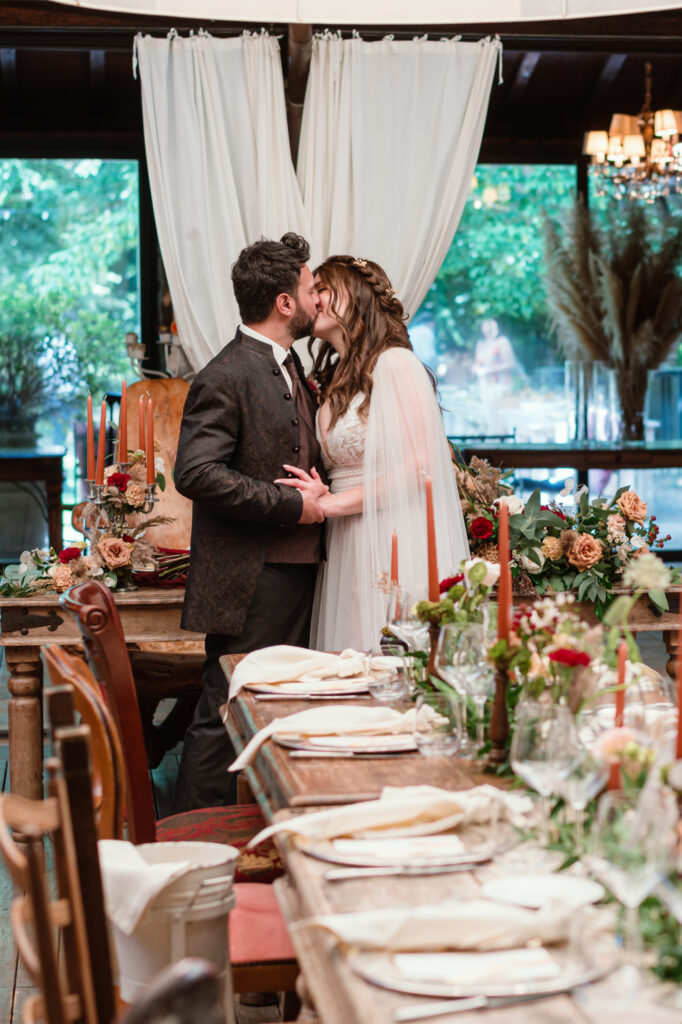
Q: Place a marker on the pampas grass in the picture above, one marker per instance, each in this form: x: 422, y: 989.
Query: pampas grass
x: 615, y: 295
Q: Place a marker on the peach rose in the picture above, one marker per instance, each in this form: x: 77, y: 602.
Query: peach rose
x: 615, y: 524
x: 584, y: 552
x: 632, y: 506
x: 114, y: 551
x: 136, y: 495
x: 552, y: 548
x: 61, y: 576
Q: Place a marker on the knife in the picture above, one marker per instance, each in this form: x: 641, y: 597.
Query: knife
x: 340, y: 874
x: 424, y: 1010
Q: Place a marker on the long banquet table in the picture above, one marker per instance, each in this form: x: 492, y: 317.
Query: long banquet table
x: 285, y: 785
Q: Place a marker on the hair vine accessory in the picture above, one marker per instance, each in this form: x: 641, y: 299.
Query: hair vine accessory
x: 390, y: 293
x: 357, y: 262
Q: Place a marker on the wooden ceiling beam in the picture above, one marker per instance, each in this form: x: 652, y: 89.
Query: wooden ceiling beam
x: 8, y: 70
x: 299, y: 52
x: 607, y: 77
x: 523, y: 76
x: 97, y: 63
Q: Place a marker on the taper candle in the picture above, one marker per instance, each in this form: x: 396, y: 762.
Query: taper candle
x: 123, y: 425
x: 101, y: 441
x: 91, y: 442
x: 151, y: 473
x: 504, y: 583
x: 434, y: 585
x: 619, y: 717
x: 141, y: 443
x: 394, y: 558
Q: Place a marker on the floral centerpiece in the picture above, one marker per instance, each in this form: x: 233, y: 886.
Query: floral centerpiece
x: 464, y: 596
x: 481, y: 486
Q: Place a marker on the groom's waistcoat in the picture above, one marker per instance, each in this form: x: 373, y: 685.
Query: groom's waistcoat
x: 238, y: 430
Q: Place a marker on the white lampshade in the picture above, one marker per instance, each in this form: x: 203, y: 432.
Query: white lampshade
x: 622, y: 125
x: 615, y: 151
x: 633, y: 146
x: 668, y: 122
x: 596, y: 143
x: 659, y: 152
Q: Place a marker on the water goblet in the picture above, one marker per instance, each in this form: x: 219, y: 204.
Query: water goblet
x: 537, y: 754
x: 402, y: 618
x: 631, y: 850
x: 447, y: 659
x: 586, y: 776
x: 437, y: 723
x: 387, y: 679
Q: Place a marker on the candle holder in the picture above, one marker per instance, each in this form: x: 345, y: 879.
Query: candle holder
x: 499, y: 719
x: 151, y: 499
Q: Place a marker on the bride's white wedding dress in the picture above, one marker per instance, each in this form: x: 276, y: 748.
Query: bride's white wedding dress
x: 390, y: 453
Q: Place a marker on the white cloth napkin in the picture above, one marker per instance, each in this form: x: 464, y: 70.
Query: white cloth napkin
x: 502, y: 968
x: 408, y: 811
x: 332, y: 720
x: 450, y: 924
x: 283, y: 664
x: 402, y: 849
x: 130, y: 883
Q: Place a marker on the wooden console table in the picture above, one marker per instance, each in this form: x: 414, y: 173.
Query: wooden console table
x: 26, y: 623
x: 36, y: 465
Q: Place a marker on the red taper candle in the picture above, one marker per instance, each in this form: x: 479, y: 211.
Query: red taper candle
x: 504, y: 584
x: 151, y: 474
x: 394, y: 559
x: 101, y: 440
x: 434, y: 585
x: 141, y: 443
x: 91, y: 442
x: 615, y: 781
x: 123, y: 425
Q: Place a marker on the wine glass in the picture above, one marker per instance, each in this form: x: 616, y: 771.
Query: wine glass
x: 437, y: 724
x: 538, y: 755
x: 387, y: 678
x: 631, y: 849
x: 402, y: 617
x: 448, y: 654
x: 586, y: 776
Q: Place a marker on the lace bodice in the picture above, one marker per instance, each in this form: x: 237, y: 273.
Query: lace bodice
x: 343, y: 450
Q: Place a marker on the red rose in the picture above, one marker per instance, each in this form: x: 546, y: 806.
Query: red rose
x: 481, y: 528
x: 451, y: 581
x: 68, y: 554
x: 119, y: 480
x: 128, y: 539
x: 564, y: 656
x: 546, y: 508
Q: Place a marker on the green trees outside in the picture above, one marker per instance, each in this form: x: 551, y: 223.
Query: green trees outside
x: 68, y: 283
x: 494, y: 267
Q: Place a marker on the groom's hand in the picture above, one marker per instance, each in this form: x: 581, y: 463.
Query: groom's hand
x: 312, y: 510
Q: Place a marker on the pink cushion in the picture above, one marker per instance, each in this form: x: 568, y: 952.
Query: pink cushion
x: 258, y: 932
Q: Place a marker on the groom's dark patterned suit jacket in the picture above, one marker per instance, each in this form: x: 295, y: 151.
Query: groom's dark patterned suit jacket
x: 239, y: 427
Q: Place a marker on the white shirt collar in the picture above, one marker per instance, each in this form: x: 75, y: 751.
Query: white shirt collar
x: 279, y: 353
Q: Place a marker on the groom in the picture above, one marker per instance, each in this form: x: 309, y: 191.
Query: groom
x: 255, y: 544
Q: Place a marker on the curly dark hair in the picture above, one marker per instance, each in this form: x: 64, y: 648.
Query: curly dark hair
x: 265, y: 270
x: 372, y: 321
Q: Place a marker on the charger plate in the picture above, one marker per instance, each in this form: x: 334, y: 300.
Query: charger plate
x: 378, y: 969
x: 360, y: 744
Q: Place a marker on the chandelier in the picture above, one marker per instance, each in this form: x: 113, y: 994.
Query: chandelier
x: 639, y: 157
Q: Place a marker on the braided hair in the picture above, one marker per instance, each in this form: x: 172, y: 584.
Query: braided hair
x: 372, y: 320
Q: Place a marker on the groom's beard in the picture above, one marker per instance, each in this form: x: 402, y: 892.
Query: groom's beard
x: 301, y: 324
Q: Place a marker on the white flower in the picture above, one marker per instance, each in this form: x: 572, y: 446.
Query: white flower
x: 159, y: 464
x: 492, y: 570
x: 528, y: 564
x: 648, y: 572
x: 513, y: 503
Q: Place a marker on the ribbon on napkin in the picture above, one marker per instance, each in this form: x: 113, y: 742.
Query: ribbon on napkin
x: 282, y: 664
x: 332, y: 720
x: 130, y: 883
x: 408, y: 811
x: 450, y: 924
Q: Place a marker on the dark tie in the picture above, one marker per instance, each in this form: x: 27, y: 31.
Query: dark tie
x: 298, y: 393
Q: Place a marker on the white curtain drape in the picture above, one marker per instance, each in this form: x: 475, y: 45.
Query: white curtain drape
x: 390, y: 137
x: 219, y: 167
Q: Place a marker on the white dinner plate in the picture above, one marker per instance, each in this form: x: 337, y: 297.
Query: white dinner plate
x: 539, y: 891
x: 315, y: 687
x: 413, y: 851
x: 361, y: 744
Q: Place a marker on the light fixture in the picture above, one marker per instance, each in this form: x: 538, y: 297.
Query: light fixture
x: 639, y: 157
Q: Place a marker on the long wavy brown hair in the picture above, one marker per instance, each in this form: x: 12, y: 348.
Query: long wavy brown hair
x: 372, y: 321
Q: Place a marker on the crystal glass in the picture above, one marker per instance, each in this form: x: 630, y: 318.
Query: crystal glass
x: 631, y: 849
x: 447, y: 664
x: 402, y: 618
x: 438, y: 724
x: 462, y: 648
x: 388, y: 681
x: 538, y: 754
x: 586, y: 776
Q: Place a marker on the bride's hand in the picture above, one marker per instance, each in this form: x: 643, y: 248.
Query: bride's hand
x: 303, y: 481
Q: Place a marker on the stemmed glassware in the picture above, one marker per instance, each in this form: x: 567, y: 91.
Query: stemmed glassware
x: 586, y: 776
x: 539, y: 752
x: 461, y: 660
x: 631, y: 849
x: 402, y: 618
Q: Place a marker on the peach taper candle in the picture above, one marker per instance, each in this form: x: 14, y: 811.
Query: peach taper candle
x: 101, y: 441
x: 434, y: 585
x: 91, y: 442
x: 123, y: 425
x: 394, y: 559
x: 151, y: 474
x: 504, y: 596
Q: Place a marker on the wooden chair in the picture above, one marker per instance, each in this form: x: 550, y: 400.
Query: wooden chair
x: 261, y: 953
x: 184, y: 993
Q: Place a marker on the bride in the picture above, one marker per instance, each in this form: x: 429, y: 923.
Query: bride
x: 381, y: 433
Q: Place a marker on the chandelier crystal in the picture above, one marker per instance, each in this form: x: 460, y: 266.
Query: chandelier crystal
x: 639, y: 157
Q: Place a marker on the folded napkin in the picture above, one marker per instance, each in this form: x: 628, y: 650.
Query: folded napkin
x: 450, y: 924
x: 332, y: 720
x: 130, y: 883
x: 283, y: 664
x: 501, y: 968
x: 408, y: 811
